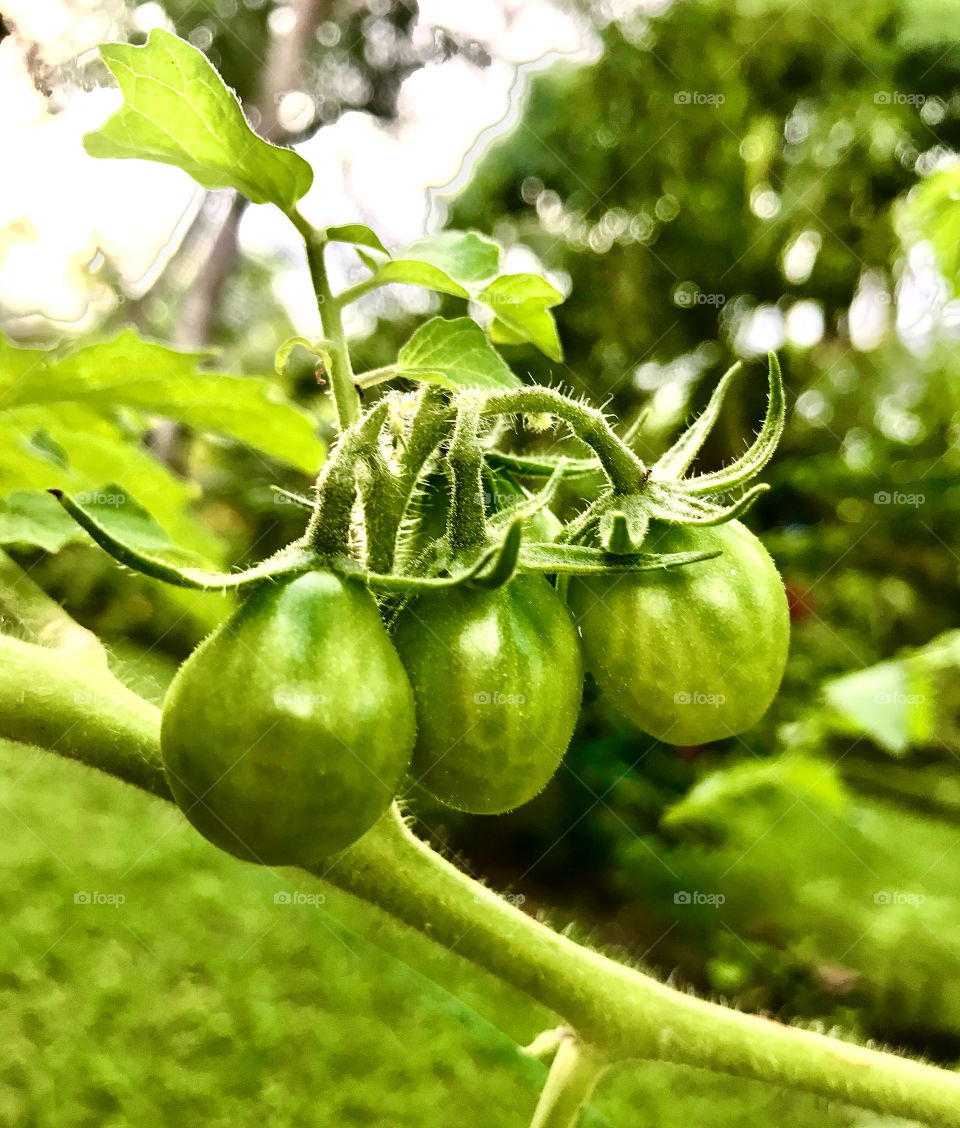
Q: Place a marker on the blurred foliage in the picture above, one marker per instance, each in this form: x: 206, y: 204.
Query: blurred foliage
x: 357, y: 60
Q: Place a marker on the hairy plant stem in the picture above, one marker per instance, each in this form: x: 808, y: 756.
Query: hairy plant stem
x: 341, y: 370
x: 620, y: 1012
x: 467, y: 521
x: 336, y: 489
x: 624, y: 469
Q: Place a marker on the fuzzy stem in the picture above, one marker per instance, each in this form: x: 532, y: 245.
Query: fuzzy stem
x: 341, y: 370
x: 329, y: 527
x: 623, y: 468
x: 467, y: 521
x: 575, y: 1071
x: 45, y: 700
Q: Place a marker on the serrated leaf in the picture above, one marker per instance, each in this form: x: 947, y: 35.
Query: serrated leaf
x: 128, y: 371
x: 454, y: 262
x: 456, y: 354
x: 522, y: 303
x: 358, y: 234
x: 177, y: 110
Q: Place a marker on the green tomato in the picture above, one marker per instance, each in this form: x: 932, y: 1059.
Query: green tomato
x: 286, y: 732
x: 691, y: 654
x: 498, y: 680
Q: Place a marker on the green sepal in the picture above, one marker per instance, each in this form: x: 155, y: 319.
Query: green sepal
x: 622, y: 529
x: 671, y: 503
x: 676, y: 461
x: 289, y: 561
x: 753, y: 460
x: 580, y: 559
x: 541, y: 466
x: 494, y: 567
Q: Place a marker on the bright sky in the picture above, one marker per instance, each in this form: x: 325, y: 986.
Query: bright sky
x: 60, y: 206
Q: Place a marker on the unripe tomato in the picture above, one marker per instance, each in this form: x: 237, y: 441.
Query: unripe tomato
x: 695, y: 653
x: 498, y: 679
x: 286, y: 732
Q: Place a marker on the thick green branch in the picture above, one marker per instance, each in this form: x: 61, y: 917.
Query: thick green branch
x: 620, y: 1012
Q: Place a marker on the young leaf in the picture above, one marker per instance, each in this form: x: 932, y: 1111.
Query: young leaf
x: 455, y: 262
x: 420, y: 274
x: 358, y: 234
x: 178, y: 111
x: 521, y: 303
x: 455, y: 354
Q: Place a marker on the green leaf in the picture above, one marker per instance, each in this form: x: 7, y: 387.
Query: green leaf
x: 455, y: 262
x: 128, y: 371
x: 178, y: 111
x: 358, y: 234
x: 420, y: 274
x: 33, y: 518
x: 892, y: 703
x: 521, y: 303
x: 455, y: 354
x: 96, y: 451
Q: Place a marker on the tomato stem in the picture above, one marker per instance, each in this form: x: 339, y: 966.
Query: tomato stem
x: 341, y: 370
x: 467, y: 522
x: 623, y: 468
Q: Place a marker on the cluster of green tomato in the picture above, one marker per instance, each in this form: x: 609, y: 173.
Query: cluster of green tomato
x: 290, y: 729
